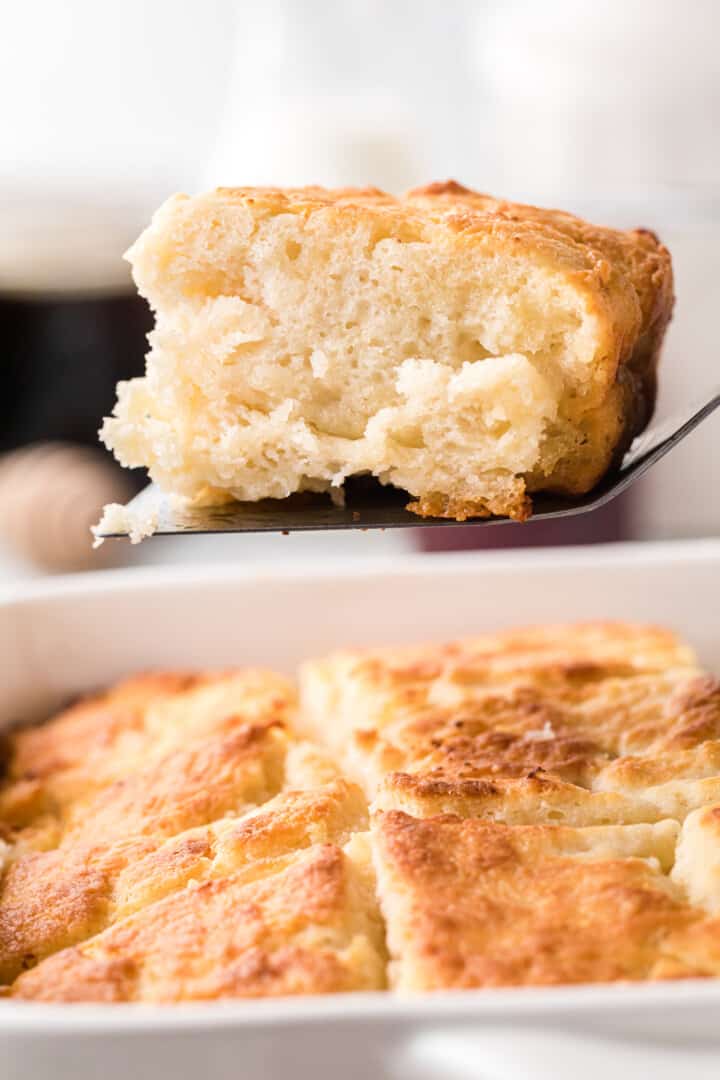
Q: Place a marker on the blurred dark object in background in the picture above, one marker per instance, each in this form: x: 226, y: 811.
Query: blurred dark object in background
x: 63, y: 356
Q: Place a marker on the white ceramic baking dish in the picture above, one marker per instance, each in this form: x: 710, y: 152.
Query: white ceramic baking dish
x: 67, y: 636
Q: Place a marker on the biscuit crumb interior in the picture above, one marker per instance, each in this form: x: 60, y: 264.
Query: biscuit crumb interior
x: 463, y: 349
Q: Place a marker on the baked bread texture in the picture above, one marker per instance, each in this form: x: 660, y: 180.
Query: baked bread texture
x: 197, y: 850
x: 467, y: 350
x: 470, y: 904
x: 584, y: 725
x: 531, y: 807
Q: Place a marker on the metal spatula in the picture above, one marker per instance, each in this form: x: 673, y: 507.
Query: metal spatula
x: 370, y: 505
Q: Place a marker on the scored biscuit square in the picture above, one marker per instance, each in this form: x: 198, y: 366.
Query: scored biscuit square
x: 472, y: 904
x: 310, y: 925
x: 52, y: 769
x: 583, y: 725
x: 197, y: 778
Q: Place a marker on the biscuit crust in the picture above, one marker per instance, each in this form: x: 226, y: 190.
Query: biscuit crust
x: 531, y: 807
x: 302, y: 929
x: 470, y: 904
x: 583, y: 725
x: 154, y: 810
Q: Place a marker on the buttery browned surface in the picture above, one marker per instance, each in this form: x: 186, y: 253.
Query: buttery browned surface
x: 475, y: 904
x: 544, y: 808
x: 303, y: 928
x: 585, y: 725
x: 151, y: 814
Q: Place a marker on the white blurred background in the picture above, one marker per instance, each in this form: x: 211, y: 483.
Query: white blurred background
x: 612, y: 109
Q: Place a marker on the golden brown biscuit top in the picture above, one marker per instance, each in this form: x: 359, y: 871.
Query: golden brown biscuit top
x: 297, y: 930
x: 141, y: 794
x: 112, y: 735
x: 474, y: 904
x: 591, y: 713
x: 546, y: 810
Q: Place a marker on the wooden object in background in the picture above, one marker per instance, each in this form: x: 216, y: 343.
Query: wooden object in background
x: 50, y: 495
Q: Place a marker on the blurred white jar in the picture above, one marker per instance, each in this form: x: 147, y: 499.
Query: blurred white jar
x: 110, y: 107
x: 112, y: 101
x: 327, y: 93
x: 612, y: 109
x: 583, y: 95
x: 339, y: 141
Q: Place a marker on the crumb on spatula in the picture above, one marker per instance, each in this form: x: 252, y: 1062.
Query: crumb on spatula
x: 117, y: 518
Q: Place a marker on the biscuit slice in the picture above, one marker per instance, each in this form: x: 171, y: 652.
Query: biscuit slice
x: 472, y: 904
x: 466, y: 350
x: 581, y: 725
x: 310, y: 926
